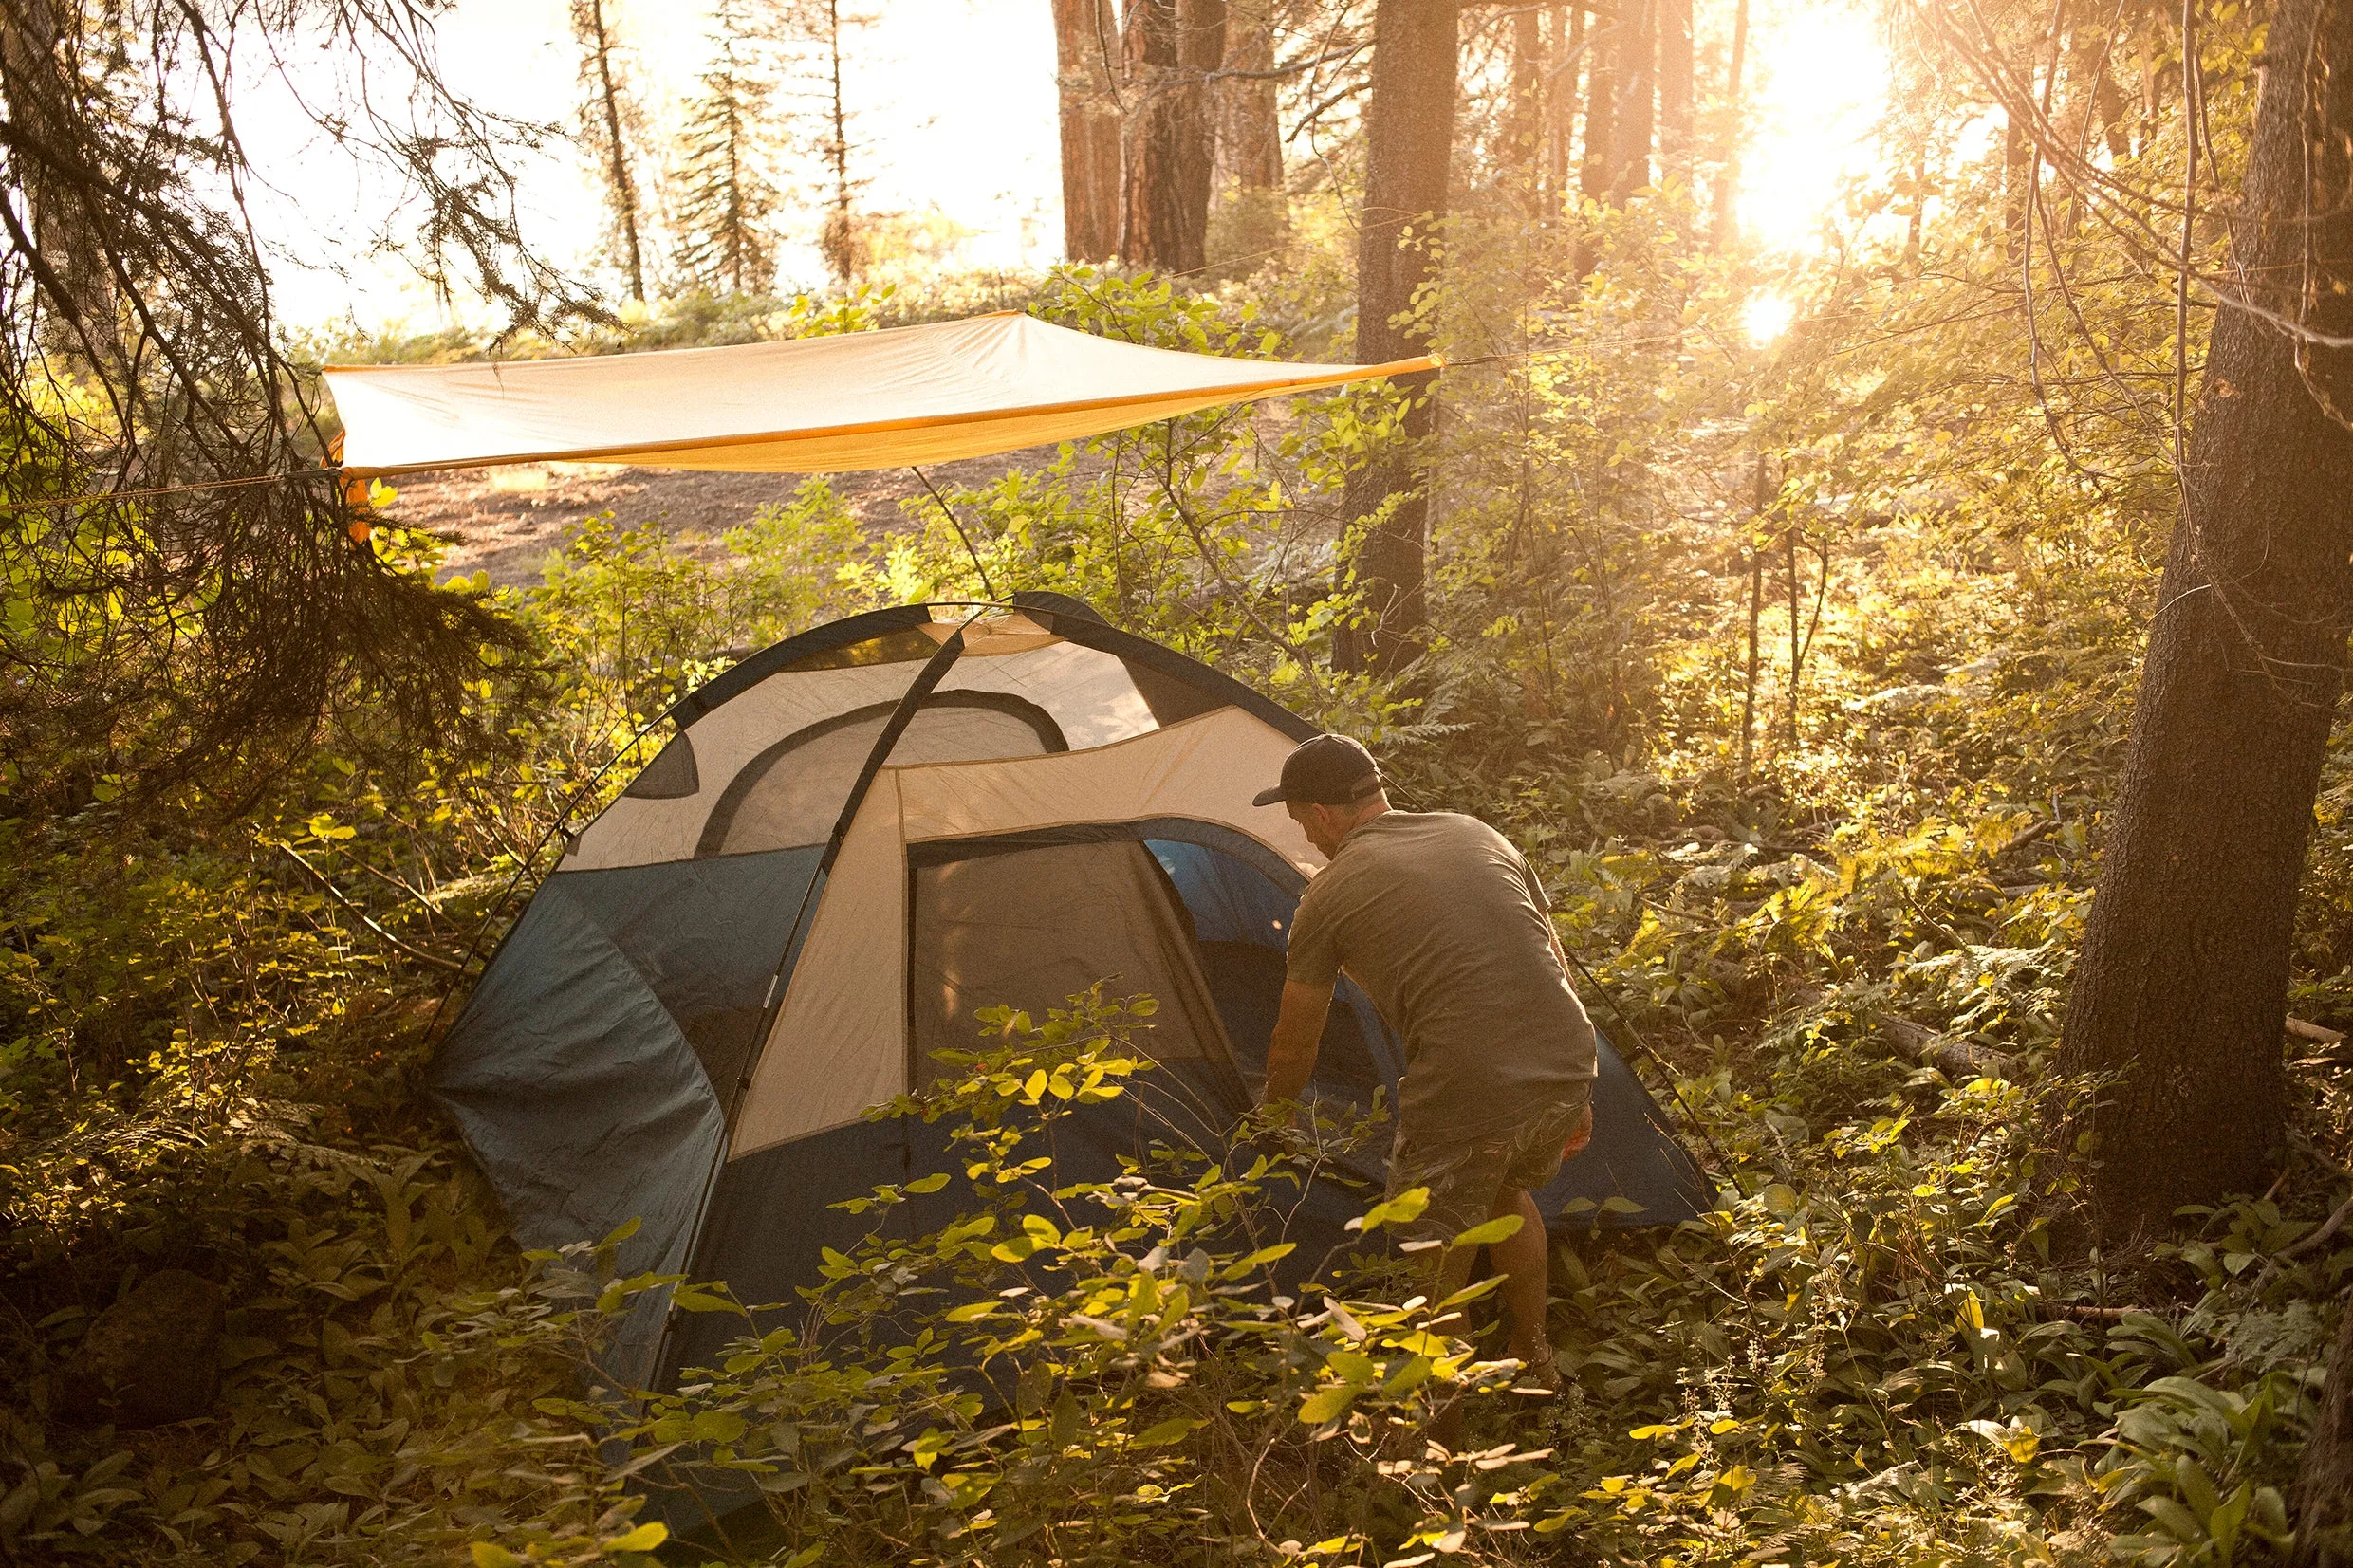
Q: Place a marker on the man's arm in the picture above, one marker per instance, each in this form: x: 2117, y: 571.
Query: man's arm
x: 1298, y: 1036
x: 1559, y: 955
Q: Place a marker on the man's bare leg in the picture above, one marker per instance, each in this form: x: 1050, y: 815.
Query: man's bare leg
x: 1522, y: 1260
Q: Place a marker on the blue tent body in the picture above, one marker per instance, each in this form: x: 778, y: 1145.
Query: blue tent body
x: 856, y: 840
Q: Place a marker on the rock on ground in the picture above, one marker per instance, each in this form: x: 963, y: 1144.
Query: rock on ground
x: 151, y: 1358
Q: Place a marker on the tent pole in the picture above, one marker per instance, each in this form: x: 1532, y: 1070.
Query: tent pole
x: 926, y: 681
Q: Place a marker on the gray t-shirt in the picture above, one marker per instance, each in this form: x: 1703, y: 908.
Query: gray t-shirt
x: 1446, y: 927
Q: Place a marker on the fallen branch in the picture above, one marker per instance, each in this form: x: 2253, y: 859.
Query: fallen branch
x: 2328, y: 1227
x: 1947, y: 1052
x: 2049, y: 825
x: 2315, y: 1033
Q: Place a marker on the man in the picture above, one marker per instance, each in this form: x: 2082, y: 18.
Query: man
x: 1446, y: 927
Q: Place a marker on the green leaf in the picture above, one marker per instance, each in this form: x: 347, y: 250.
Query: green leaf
x: 1402, y: 1209
x: 1162, y: 1433
x: 487, y: 1555
x: 718, y: 1426
x: 688, y: 1298
x: 1326, y: 1404
x: 2179, y: 1522
x: 644, y: 1539
x: 927, y: 1184
x: 1502, y: 1228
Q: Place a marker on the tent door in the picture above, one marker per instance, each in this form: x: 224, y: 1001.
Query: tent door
x: 1030, y: 927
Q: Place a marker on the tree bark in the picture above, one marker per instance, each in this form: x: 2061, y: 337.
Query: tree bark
x: 1674, y: 89
x: 1637, y: 89
x: 2180, y: 986
x: 1409, y: 134
x: 1523, y: 126
x: 1564, y: 32
x: 1725, y: 226
x: 1250, y: 135
x: 611, y: 123
x: 2324, y: 1480
x: 1086, y: 48
x: 1201, y: 49
x: 1169, y: 140
x: 41, y: 83
x: 1593, y: 174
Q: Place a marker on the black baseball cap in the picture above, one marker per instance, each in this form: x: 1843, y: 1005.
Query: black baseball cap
x: 1326, y: 771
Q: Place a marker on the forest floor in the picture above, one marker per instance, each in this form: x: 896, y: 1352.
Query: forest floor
x: 511, y: 521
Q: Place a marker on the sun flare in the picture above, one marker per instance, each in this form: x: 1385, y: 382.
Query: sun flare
x: 1822, y: 88
x: 1766, y: 317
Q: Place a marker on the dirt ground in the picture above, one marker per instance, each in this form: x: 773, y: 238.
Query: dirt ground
x: 509, y: 520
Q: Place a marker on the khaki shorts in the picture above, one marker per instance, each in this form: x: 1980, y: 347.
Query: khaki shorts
x: 1464, y: 1178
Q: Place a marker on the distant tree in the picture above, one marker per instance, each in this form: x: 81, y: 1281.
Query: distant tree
x: 1250, y: 131
x: 199, y: 598
x: 728, y: 196
x: 1723, y: 225
x: 1087, y: 53
x: 1564, y: 45
x: 1523, y: 127
x: 1634, y: 124
x: 611, y: 126
x: 819, y: 32
x: 1170, y: 139
x: 1676, y: 125
x: 1597, y: 165
x: 2180, y: 986
x: 1408, y: 136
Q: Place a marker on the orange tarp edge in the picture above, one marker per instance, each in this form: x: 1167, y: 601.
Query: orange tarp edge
x: 927, y: 394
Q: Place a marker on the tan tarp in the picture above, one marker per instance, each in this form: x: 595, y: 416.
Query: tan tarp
x: 814, y: 405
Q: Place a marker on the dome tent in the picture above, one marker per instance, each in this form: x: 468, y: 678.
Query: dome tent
x: 856, y: 840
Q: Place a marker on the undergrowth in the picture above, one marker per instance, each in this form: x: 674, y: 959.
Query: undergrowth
x: 1829, y: 910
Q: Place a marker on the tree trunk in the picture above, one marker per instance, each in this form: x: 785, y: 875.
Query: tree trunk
x: 1523, y: 126
x: 1725, y: 226
x: 1250, y: 135
x: 2325, y: 1481
x: 1201, y: 49
x: 2180, y: 986
x: 1564, y: 32
x: 1593, y: 174
x: 1170, y: 135
x: 1674, y: 89
x: 838, y: 241
x: 1638, y: 89
x: 1409, y: 134
x: 41, y: 82
x: 611, y: 126
x: 1087, y: 46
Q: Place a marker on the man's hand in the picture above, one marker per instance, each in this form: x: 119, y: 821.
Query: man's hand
x: 1281, y: 1127
x: 1298, y: 1039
